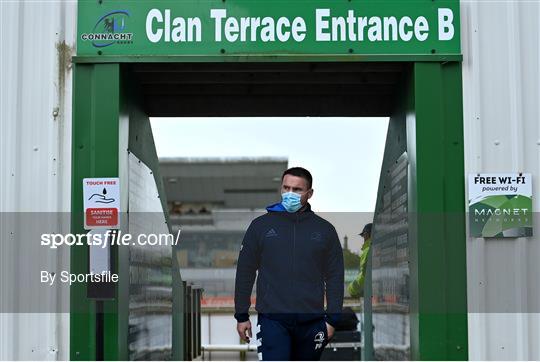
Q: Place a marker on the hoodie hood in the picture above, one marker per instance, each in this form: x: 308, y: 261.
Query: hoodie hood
x: 275, y: 207
x: 280, y: 208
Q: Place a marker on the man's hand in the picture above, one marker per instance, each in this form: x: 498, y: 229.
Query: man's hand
x: 244, y: 330
x: 330, y: 330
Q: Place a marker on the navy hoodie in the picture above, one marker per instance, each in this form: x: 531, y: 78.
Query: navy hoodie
x: 297, y: 257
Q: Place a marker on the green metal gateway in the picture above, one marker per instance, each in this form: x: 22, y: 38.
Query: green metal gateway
x: 400, y: 59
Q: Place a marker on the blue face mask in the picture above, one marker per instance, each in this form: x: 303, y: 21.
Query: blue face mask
x: 291, y: 201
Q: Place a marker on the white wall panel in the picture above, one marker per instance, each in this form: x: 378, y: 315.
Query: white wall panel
x: 37, y: 40
x: 501, y: 80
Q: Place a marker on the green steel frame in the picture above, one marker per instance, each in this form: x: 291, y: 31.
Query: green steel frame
x: 437, y: 241
x: 95, y: 144
x: 269, y: 58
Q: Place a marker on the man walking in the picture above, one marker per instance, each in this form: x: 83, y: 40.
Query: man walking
x: 299, y: 261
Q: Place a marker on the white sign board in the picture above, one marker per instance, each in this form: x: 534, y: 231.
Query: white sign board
x: 500, y: 205
x: 101, y: 203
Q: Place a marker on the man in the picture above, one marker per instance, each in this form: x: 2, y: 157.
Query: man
x: 299, y: 259
x: 356, y: 288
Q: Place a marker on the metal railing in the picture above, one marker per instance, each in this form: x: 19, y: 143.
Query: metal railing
x: 192, y: 321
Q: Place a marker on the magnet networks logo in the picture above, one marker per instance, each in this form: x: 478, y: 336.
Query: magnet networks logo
x: 109, y: 30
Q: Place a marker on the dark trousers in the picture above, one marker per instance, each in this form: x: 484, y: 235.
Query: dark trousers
x: 281, y: 340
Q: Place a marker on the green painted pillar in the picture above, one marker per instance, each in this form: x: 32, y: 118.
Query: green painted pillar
x: 95, y: 139
x: 437, y: 226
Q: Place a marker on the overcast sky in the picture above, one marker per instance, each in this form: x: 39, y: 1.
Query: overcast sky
x: 343, y: 154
